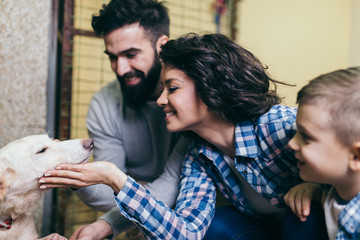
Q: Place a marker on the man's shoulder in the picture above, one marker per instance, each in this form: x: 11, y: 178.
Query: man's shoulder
x: 110, y: 92
x: 112, y: 87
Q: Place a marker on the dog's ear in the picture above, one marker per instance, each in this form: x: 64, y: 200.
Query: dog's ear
x: 6, y: 179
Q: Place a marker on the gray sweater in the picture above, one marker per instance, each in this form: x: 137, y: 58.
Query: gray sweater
x: 139, y: 144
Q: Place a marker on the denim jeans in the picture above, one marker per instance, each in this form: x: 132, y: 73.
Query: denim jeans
x: 230, y: 224
x: 314, y: 228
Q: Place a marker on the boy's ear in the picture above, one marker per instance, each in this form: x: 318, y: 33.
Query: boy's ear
x: 355, y: 158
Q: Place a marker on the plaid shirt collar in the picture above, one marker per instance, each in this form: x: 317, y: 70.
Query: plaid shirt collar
x: 349, y: 218
x: 245, y: 142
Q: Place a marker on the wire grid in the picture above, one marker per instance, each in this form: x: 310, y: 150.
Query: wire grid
x: 91, y: 71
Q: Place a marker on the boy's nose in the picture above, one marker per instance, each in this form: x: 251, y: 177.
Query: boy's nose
x: 292, y: 143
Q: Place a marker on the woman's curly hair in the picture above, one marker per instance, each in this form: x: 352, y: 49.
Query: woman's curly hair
x: 229, y: 79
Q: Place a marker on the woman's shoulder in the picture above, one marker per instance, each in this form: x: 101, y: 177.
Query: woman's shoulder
x: 279, y: 124
x: 278, y: 113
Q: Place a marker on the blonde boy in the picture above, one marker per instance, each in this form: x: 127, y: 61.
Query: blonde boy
x: 327, y: 144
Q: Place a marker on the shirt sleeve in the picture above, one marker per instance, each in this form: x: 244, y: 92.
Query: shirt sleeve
x: 118, y: 222
x: 108, y: 147
x: 290, y: 122
x: 191, y: 216
x: 165, y: 188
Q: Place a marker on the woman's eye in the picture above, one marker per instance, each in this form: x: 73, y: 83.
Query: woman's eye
x: 172, y: 89
x: 42, y: 150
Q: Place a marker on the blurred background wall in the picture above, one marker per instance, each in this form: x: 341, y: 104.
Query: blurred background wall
x: 299, y: 40
x: 24, y: 38
x: 24, y: 44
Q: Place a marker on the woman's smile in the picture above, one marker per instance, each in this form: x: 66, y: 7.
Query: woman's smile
x: 184, y: 110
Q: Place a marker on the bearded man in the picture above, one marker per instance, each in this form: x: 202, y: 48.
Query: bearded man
x: 126, y: 124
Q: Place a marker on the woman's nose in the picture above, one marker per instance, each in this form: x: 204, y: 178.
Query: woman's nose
x: 162, y: 100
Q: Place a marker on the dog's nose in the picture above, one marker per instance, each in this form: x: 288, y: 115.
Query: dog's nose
x: 88, y: 143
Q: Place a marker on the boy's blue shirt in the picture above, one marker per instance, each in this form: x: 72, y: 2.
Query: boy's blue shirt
x: 349, y: 220
x: 263, y: 157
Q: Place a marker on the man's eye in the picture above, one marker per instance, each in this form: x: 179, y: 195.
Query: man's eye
x: 112, y: 58
x: 130, y: 55
x: 42, y: 150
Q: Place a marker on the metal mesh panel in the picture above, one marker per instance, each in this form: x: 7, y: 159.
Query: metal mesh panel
x: 91, y: 71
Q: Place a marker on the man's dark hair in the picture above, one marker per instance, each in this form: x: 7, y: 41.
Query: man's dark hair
x: 150, y: 14
x: 229, y: 79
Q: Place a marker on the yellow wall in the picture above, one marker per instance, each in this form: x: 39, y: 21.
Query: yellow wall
x: 355, y: 34
x: 298, y: 40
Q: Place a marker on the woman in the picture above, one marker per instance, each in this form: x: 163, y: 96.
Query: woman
x: 218, y: 93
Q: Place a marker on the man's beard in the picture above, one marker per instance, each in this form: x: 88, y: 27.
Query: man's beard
x: 137, y: 96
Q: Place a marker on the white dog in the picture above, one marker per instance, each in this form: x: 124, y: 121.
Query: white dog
x: 22, y: 163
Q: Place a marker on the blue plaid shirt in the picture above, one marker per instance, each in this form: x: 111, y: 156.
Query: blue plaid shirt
x: 349, y: 220
x: 262, y: 157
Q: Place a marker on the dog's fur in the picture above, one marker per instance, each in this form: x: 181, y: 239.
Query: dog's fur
x: 22, y: 163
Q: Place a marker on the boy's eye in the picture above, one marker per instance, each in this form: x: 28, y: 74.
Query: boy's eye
x: 305, y: 137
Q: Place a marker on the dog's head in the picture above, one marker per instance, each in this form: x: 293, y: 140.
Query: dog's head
x: 25, y: 160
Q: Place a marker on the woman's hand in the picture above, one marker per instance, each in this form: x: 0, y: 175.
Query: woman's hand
x: 300, y: 196
x: 83, y: 175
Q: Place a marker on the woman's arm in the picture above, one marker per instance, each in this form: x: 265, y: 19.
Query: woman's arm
x: 189, y: 220
x: 191, y: 217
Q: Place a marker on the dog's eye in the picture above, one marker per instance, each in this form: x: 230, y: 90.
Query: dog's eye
x: 42, y: 150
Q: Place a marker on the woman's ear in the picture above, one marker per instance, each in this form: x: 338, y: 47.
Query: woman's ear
x: 161, y: 41
x: 355, y: 157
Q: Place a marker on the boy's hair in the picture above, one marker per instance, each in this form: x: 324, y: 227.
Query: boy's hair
x: 230, y: 80
x: 150, y: 14
x: 339, y: 93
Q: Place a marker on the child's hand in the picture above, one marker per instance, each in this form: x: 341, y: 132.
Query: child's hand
x: 299, y: 198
